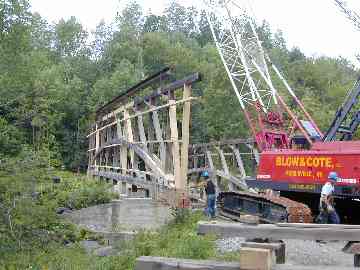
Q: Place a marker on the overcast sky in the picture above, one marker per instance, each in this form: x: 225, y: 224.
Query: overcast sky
x: 316, y: 26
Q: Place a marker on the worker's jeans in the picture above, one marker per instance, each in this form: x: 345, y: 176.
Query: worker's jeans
x: 328, y: 215
x: 333, y: 217
x: 211, y: 205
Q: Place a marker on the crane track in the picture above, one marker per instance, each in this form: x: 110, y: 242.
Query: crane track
x: 269, y: 208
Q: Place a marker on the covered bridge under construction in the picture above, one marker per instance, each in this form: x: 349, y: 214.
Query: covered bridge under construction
x: 141, y: 138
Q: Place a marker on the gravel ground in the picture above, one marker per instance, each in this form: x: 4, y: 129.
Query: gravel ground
x: 299, y: 252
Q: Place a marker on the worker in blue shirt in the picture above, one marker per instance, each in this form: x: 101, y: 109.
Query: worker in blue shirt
x: 210, y: 195
x: 327, y: 211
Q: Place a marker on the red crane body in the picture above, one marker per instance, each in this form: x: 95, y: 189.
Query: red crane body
x: 307, y: 170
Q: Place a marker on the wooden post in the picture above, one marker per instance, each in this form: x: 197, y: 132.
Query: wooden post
x: 97, y: 145
x: 179, y: 183
x: 255, y: 152
x: 159, y: 137
x: 129, y: 135
x: 239, y: 160
x: 185, y: 134
x: 123, y: 149
x: 142, y: 131
x: 223, y: 161
x: 210, y: 160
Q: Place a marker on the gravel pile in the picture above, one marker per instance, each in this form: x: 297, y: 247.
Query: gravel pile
x: 299, y: 252
x: 229, y: 244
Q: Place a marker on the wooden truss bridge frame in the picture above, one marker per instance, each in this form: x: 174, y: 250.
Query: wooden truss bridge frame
x: 142, y: 138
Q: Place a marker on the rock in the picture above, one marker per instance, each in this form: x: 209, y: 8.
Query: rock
x: 62, y: 210
x: 69, y: 244
x: 56, y: 179
x: 105, y: 251
x: 89, y: 245
x: 35, y: 195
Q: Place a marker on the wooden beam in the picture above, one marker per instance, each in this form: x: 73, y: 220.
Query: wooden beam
x: 159, y: 137
x: 120, y: 168
x: 142, y: 135
x: 179, y: 183
x: 168, y: 90
x: 239, y: 160
x: 142, y: 113
x: 97, y: 143
x: 255, y: 152
x: 122, y: 149
x: 185, y: 134
x: 129, y: 136
x: 162, y: 74
x: 274, y: 232
x: 161, y: 263
x: 210, y: 160
x: 223, y: 161
x: 225, y: 142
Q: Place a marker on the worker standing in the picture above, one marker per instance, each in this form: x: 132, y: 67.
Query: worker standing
x: 326, y: 206
x: 210, y: 195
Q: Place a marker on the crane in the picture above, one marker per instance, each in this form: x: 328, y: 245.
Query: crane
x: 297, y: 173
x: 352, y: 15
x: 248, y: 68
x: 347, y: 118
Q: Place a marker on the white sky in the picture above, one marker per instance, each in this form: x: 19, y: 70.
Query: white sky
x: 316, y: 26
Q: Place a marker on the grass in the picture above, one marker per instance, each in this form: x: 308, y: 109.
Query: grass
x: 177, y: 239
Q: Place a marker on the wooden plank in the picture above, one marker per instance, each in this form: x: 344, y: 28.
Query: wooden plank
x: 142, y: 131
x: 154, y: 109
x: 256, y: 259
x: 315, y: 225
x: 168, y: 90
x: 179, y: 183
x: 162, y: 74
x: 159, y: 137
x: 141, y: 113
x: 239, y: 160
x: 97, y: 143
x: 129, y: 135
x: 210, y: 160
x: 255, y: 152
x: 223, y: 160
x: 224, y: 142
x: 122, y: 150
x: 161, y: 263
x: 148, y: 159
x: 130, y: 170
x: 185, y: 134
x: 275, y: 232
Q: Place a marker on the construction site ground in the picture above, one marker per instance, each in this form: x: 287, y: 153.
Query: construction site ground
x: 298, y: 252
x: 302, y: 252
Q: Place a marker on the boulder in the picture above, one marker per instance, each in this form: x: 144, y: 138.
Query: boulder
x: 105, y: 251
x: 89, y: 245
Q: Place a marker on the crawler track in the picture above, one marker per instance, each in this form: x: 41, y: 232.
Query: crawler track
x: 269, y: 209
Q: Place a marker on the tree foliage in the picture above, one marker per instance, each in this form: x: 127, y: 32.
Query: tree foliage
x: 52, y: 77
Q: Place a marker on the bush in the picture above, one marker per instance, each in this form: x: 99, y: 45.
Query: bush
x: 28, y: 200
x: 76, y: 192
x: 177, y: 239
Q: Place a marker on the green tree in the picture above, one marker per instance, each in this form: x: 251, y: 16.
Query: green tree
x: 70, y: 38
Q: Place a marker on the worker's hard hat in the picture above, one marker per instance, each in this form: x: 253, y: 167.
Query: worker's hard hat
x: 205, y: 174
x: 333, y: 176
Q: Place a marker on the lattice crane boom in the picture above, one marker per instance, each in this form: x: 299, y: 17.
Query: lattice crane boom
x: 247, y: 66
x: 352, y: 15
